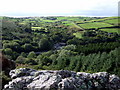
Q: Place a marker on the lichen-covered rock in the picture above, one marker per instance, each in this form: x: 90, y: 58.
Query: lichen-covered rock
x: 114, y: 82
x: 22, y: 72
x: 29, y: 79
x: 46, y: 81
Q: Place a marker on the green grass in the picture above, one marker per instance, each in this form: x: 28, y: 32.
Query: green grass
x: 22, y: 23
x: 71, y: 24
x: 75, y: 18
x: 112, y: 21
x: 67, y: 23
x: 94, y: 25
x: 48, y: 20
x: 78, y: 34
x: 66, y: 18
x: 103, y: 19
x: 37, y: 27
x: 112, y: 30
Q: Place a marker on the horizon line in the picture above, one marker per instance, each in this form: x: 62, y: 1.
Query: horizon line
x: 56, y: 16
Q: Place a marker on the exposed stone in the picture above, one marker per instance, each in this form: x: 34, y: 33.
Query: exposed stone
x: 114, y: 82
x: 24, y: 79
x: 22, y: 72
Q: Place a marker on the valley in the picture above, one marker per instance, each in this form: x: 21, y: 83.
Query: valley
x: 81, y: 44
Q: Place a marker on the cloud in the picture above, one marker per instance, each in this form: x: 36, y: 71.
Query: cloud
x: 58, y: 7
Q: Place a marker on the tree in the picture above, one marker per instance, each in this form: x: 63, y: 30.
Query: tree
x: 13, y: 45
x: 78, y: 66
x: 45, y: 44
x: 6, y: 45
x: 30, y: 62
x: 70, y: 47
x: 31, y: 55
x: 8, y: 51
x: 73, y: 63
x: 44, y: 60
x: 63, y: 62
x: 28, y: 47
x: 20, y: 60
x: 23, y: 54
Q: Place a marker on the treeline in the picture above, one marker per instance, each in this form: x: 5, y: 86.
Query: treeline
x: 96, y: 62
x: 68, y: 59
x: 97, y: 47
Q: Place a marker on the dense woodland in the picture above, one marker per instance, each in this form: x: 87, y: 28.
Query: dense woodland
x: 88, y: 44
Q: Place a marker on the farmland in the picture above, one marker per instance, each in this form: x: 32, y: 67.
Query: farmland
x: 37, y: 28
x: 95, y: 25
x: 112, y: 21
x: 111, y: 30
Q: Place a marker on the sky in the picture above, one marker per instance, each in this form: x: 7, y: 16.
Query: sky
x: 23, y: 8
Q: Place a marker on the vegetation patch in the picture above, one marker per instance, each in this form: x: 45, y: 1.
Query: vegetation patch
x: 67, y: 23
x: 39, y: 29
x: 78, y: 34
x: 94, y: 25
x: 36, y: 28
x: 102, y: 19
x: 111, y: 30
x: 112, y: 21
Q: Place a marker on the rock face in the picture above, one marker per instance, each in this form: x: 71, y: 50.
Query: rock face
x: 29, y: 79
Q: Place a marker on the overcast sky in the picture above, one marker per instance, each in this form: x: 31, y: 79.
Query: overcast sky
x: 59, y: 8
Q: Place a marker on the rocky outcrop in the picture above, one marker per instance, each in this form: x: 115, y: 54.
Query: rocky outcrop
x: 29, y: 79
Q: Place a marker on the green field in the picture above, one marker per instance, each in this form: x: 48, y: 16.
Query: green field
x: 112, y: 21
x: 75, y: 19
x: 94, y: 25
x: 39, y: 28
x: 112, y: 30
x: 69, y: 18
x: 103, y: 19
x: 36, y: 27
x: 67, y: 23
x: 22, y: 23
x: 45, y: 20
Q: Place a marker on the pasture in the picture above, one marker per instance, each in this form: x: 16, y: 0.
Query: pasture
x: 112, y: 21
x: 112, y: 30
x: 94, y: 25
